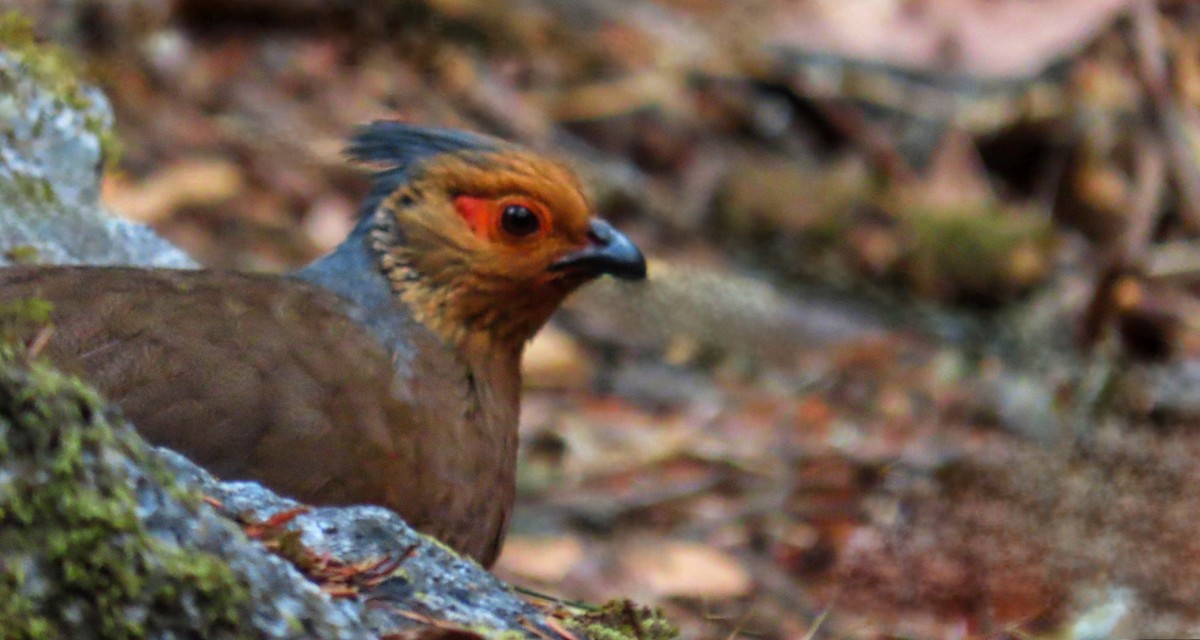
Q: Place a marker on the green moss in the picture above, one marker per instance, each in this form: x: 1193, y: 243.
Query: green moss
x: 50, y: 66
x: 21, y: 319
x: 763, y: 198
x: 968, y: 252
x: 22, y: 254
x: 70, y: 536
x: 110, y: 145
x: 438, y: 543
x: 623, y: 620
x: 38, y: 190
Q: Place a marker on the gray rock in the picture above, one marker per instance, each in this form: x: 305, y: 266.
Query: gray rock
x: 417, y: 575
x: 51, y: 156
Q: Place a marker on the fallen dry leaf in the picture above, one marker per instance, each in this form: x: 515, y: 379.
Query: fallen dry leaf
x: 330, y: 219
x: 969, y: 37
x: 688, y: 570
x: 540, y: 558
x: 191, y: 182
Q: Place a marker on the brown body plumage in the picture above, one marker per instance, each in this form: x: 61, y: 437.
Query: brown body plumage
x: 386, y: 373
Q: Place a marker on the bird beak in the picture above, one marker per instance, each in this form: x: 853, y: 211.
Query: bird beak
x: 609, y: 252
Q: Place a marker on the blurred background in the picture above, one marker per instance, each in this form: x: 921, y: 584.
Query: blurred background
x: 919, y: 353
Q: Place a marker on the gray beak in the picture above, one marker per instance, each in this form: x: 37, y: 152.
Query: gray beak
x: 610, y: 252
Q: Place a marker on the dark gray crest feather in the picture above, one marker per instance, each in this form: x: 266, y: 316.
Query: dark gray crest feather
x: 395, y: 147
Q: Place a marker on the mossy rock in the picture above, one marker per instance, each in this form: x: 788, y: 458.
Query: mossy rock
x: 56, y: 71
x: 56, y: 132
x: 76, y: 560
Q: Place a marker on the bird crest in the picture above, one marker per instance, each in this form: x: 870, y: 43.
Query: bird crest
x: 393, y: 148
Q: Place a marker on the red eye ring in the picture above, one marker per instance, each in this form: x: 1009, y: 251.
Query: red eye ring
x: 503, y: 218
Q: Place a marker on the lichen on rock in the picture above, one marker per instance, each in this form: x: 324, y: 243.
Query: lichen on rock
x: 55, y: 135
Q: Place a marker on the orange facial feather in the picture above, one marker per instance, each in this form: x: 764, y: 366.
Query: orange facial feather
x: 461, y: 272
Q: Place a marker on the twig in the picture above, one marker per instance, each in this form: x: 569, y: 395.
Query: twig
x: 558, y: 628
x: 1151, y: 171
x: 40, y: 341
x: 1166, y: 114
x: 534, y: 630
x: 1128, y: 254
x: 741, y: 624
x: 1166, y: 130
x: 1177, y: 261
x: 816, y: 625
x: 382, y: 570
x: 573, y: 604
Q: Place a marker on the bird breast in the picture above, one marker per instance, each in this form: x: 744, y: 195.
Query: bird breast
x: 468, y: 465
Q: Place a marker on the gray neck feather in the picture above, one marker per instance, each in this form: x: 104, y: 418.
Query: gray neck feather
x: 352, y: 271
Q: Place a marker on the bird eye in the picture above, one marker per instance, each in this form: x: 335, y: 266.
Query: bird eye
x: 519, y: 220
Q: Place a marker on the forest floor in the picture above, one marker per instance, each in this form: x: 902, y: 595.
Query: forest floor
x: 918, y: 353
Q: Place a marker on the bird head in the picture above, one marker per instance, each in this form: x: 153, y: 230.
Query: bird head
x: 482, y: 238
